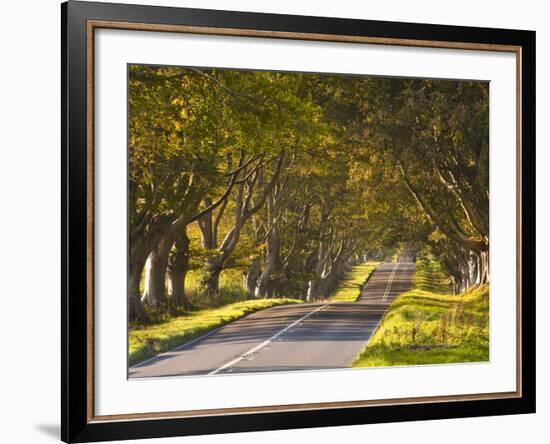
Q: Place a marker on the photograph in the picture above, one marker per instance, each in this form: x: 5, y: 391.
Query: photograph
x: 283, y: 221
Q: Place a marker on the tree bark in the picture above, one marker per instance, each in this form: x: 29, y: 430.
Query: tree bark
x: 135, y: 269
x: 155, y: 291
x: 252, y: 275
x: 210, y: 281
x: 484, y: 257
x: 177, y: 270
x: 272, y: 261
x: 141, y: 242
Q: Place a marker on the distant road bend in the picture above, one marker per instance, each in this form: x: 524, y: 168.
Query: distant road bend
x: 289, y: 337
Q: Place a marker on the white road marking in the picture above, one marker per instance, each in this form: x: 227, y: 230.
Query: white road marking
x: 178, y: 348
x: 193, y: 341
x: 266, y: 342
x: 390, y: 280
x: 183, y: 346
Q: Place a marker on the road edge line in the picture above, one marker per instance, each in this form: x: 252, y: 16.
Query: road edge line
x: 198, y: 338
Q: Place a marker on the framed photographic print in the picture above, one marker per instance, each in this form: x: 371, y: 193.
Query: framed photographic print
x: 276, y: 221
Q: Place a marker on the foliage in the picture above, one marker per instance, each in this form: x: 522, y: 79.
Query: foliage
x: 256, y: 184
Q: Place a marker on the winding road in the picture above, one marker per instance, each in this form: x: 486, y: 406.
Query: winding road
x: 288, y: 337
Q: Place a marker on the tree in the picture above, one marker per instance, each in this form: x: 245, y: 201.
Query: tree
x: 177, y: 153
x: 291, y: 177
x: 437, y: 135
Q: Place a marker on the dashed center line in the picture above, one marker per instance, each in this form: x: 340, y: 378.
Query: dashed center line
x: 390, y: 280
x: 266, y: 342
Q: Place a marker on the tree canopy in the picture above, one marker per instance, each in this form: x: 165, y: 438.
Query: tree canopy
x: 289, y: 178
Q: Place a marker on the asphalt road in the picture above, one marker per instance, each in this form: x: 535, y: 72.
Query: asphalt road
x: 289, y: 337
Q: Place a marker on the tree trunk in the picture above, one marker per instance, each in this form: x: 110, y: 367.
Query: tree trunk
x: 155, y: 288
x: 484, y: 267
x: 141, y: 243
x: 252, y: 275
x: 312, y: 290
x: 342, y: 268
x: 328, y: 282
x: 272, y: 261
x: 134, y: 294
x: 320, y: 265
x: 320, y: 286
x: 210, y: 281
x: 177, y: 270
x: 136, y: 263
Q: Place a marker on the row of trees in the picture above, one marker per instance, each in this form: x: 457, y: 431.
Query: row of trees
x: 437, y: 134
x: 289, y: 177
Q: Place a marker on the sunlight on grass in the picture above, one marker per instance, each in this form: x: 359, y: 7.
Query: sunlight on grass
x: 148, y: 341
x: 427, y: 327
x: 350, y: 287
x: 429, y: 276
x: 231, y: 288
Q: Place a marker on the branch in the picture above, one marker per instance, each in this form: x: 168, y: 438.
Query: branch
x: 223, y: 197
x: 236, y: 95
x: 268, y: 189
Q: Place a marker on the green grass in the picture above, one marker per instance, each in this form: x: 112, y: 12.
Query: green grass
x: 231, y: 288
x: 426, y: 327
x: 350, y: 287
x: 148, y: 341
x: 430, y: 277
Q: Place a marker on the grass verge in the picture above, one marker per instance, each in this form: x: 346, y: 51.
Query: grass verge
x: 148, y: 341
x: 426, y: 327
x: 350, y: 287
x: 231, y: 288
x: 429, y: 276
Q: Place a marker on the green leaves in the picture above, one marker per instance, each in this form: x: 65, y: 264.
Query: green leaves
x: 370, y: 163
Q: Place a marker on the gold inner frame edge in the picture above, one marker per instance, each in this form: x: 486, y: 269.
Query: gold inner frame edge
x: 98, y: 24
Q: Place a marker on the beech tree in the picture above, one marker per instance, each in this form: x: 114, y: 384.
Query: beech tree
x: 290, y: 178
x: 437, y: 135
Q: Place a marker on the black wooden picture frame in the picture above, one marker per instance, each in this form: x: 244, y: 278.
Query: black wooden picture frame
x: 78, y: 423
